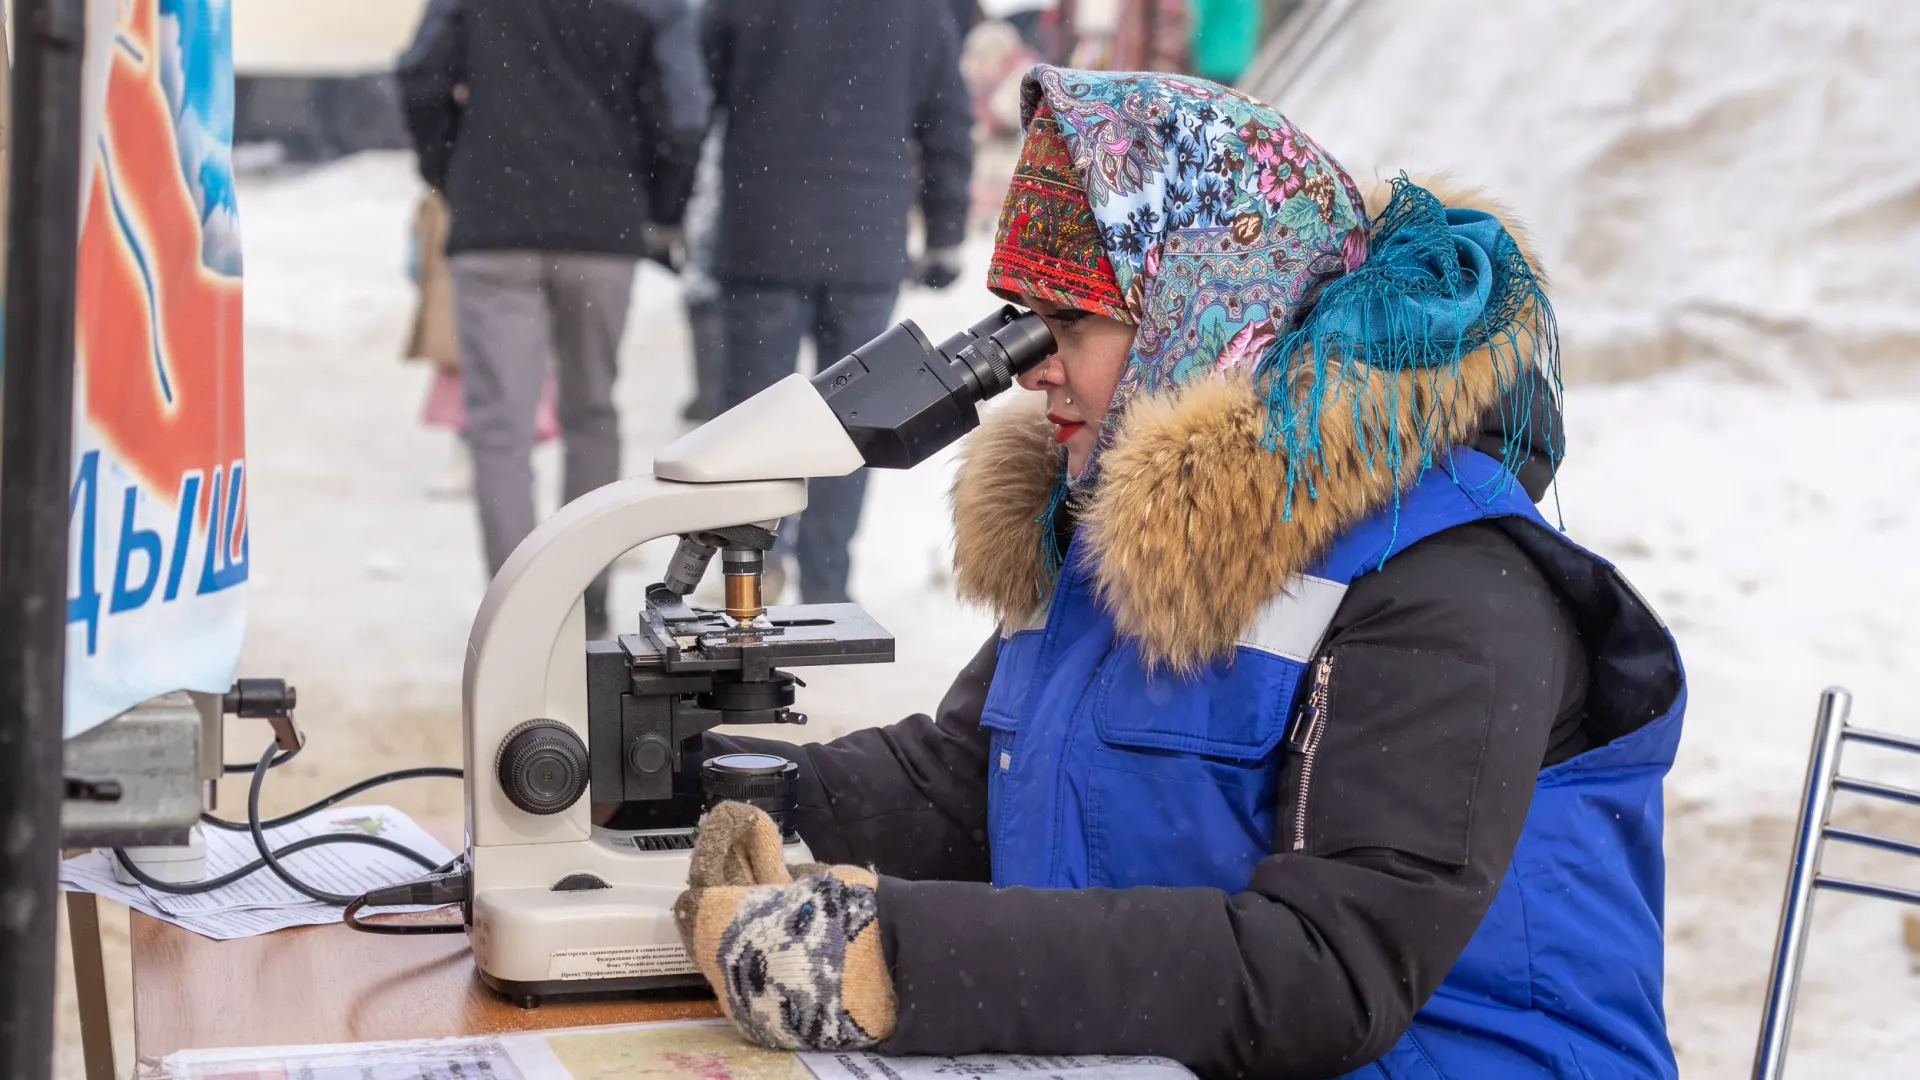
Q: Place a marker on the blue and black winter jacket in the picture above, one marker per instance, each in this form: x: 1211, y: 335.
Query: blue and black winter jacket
x: 1391, y: 808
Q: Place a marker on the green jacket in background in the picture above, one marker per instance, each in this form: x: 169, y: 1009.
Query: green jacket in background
x: 1225, y: 35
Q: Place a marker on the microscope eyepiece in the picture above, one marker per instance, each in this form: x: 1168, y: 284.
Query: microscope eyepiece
x: 902, y: 399
x: 994, y: 359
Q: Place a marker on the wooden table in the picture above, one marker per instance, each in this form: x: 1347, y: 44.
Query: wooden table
x: 329, y: 984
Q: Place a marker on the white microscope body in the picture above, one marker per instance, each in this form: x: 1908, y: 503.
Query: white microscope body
x: 524, y: 662
x: 557, y: 905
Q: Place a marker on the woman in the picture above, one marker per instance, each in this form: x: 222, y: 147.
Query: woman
x: 1306, y: 745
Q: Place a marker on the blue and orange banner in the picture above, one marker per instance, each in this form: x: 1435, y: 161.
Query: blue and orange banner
x: 158, y: 513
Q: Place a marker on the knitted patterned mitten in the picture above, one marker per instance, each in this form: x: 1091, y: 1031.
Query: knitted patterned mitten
x: 797, y: 964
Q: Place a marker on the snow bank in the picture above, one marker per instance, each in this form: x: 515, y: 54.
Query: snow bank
x: 1734, y: 180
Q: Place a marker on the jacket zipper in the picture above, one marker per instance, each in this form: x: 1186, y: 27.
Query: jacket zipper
x: 1313, y: 726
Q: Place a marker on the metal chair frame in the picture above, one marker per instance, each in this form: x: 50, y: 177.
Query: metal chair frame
x: 1831, y: 733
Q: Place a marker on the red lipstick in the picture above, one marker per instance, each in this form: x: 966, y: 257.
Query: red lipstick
x: 1063, y: 428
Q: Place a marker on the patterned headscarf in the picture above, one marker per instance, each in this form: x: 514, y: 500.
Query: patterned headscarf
x: 1219, y: 221
x: 1049, y: 245
x: 1236, y: 241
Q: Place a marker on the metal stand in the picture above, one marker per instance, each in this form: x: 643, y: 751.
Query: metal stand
x: 36, y: 437
x: 1803, y: 877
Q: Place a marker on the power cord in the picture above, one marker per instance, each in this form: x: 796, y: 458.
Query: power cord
x: 438, y: 889
x: 254, y: 867
x: 425, y: 772
x: 446, y: 885
x: 235, y: 768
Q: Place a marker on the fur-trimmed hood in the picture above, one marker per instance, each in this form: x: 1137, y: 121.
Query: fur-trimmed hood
x: 1189, y: 530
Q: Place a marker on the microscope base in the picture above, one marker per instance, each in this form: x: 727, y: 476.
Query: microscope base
x: 529, y: 995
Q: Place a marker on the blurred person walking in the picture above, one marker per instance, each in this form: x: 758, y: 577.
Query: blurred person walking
x: 965, y: 13
x: 1036, y: 20
x: 563, y: 135
x: 1151, y: 36
x: 434, y: 339
x: 699, y: 292
x: 827, y: 103
x: 1225, y: 35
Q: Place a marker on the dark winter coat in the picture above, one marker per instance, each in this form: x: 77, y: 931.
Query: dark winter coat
x: 557, y: 125
x: 841, y: 115
x: 963, y: 16
x: 1312, y: 969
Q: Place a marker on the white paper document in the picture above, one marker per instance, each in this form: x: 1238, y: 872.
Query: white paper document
x: 261, y: 902
x: 868, y: 1066
x: 435, y: 1059
x: 677, y: 1050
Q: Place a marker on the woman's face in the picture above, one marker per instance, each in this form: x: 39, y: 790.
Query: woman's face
x: 1078, y: 379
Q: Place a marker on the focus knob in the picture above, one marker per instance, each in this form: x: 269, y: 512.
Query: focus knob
x: 649, y: 754
x: 543, y: 767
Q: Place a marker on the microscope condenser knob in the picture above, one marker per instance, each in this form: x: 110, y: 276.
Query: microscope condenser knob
x: 767, y: 781
x: 543, y: 767
x: 747, y: 777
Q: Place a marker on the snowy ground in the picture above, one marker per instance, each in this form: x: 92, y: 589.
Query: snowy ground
x: 1769, y: 526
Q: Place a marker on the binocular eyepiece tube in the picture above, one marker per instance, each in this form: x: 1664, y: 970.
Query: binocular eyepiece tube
x: 902, y: 398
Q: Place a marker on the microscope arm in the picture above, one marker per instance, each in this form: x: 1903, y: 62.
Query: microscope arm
x: 525, y: 654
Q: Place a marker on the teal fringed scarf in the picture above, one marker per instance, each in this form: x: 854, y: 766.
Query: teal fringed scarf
x: 1051, y: 557
x: 1438, y: 285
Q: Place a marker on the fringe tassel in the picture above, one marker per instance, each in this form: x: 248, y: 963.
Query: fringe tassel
x: 1395, y: 322
x: 1050, y: 557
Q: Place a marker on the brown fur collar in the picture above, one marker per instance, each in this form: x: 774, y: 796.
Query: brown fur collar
x: 1185, y: 530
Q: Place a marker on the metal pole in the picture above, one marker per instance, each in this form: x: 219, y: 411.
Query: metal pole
x: 36, y: 435
x: 1797, y: 909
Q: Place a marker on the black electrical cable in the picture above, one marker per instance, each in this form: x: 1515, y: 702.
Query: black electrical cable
x: 425, y: 772
x: 254, y: 867
x: 439, y: 889
x: 255, y: 826
x: 232, y: 768
x: 351, y: 916
x: 269, y: 857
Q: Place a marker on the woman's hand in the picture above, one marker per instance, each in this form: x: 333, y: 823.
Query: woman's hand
x: 793, y: 953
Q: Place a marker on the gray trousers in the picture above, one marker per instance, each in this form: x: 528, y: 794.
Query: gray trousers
x: 515, y: 310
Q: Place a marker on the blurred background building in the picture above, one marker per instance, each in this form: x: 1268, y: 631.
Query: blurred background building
x: 313, y: 80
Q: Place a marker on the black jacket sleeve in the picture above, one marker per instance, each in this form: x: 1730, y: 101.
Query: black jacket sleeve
x: 1449, y: 667
x: 909, y: 800
x: 674, y: 103
x: 429, y: 72
x: 943, y: 128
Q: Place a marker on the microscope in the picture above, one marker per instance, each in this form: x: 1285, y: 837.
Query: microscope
x: 585, y: 775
